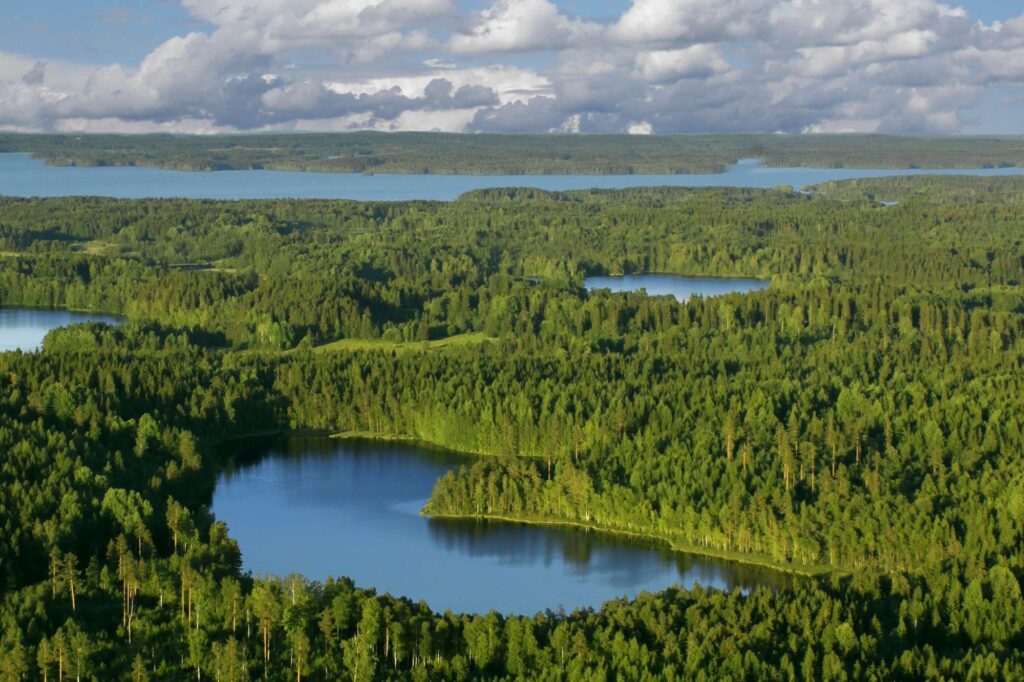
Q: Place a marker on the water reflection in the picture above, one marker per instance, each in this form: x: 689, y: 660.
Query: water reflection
x: 621, y: 559
x: 323, y: 507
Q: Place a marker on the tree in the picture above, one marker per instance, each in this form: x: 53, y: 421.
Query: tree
x: 229, y: 664
x: 810, y: 453
x: 69, y: 567
x: 832, y: 440
x: 13, y: 658
x: 267, y: 609
x: 729, y: 435
x: 132, y: 512
x: 785, y: 456
x: 129, y: 571
x: 361, y: 657
x: 301, y: 650
x: 139, y: 672
x: 179, y: 522
x: 231, y: 596
x: 45, y: 658
x: 198, y: 646
x: 483, y: 639
x: 79, y: 649
x: 560, y: 640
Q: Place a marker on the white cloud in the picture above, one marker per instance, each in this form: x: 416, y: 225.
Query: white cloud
x: 696, y: 61
x: 302, y: 23
x: 190, y: 126
x: 990, y: 66
x: 844, y: 126
x: 511, y: 84
x: 689, y: 21
x: 847, y: 22
x: 521, y: 25
x: 525, y: 65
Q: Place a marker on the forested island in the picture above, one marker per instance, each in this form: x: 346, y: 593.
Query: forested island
x: 489, y: 154
x: 859, y: 421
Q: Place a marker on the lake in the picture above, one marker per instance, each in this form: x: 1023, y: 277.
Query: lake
x: 24, y: 328
x: 683, y: 288
x: 324, y: 507
x: 23, y: 176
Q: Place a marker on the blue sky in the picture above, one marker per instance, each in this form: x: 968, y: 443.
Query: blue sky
x: 992, y: 10
x: 539, y: 65
x: 92, y: 31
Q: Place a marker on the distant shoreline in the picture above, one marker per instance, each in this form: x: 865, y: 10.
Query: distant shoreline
x: 410, y: 153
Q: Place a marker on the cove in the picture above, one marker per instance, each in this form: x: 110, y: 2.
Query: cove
x: 683, y: 288
x: 23, y: 176
x: 24, y: 328
x: 323, y: 507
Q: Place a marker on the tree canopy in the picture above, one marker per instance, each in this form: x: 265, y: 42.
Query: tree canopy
x: 858, y: 420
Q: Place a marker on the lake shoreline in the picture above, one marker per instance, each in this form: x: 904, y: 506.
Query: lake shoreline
x: 25, y: 328
x: 743, y: 558
x: 373, y: 436
x: 58, y: 309
x: 358, y: 499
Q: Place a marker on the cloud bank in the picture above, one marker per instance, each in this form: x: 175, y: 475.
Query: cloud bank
x: 896, y: 66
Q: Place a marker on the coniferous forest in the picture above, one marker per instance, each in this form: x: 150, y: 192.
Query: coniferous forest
x: 500, y: 154
x: 859, y: 422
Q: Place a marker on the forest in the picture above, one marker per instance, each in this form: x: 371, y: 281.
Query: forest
x: 859, y: 422
x: 490, y: 154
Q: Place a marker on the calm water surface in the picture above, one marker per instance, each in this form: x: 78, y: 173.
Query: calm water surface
x: 322, y: 507
x: 21, y: 175
x: 24, y: 329
x: 683, y: 288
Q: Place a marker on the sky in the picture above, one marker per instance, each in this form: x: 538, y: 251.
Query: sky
x: 560, y: 66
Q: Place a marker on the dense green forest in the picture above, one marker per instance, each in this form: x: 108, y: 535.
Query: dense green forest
x: 859, y: 420
x: 371, y: 152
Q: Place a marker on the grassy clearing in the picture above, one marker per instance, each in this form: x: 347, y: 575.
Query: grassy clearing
x: 98, y: 247
x: 404, y: 346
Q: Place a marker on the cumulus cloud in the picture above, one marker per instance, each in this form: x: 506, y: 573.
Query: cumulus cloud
x: 310, y: 100
x: 280, y: 26
x: 689, y: 21
x: 848, y: 22
x: 511, y: 84
x: 696, y: 61
x: 529, y: 66
x: 538, y: 115
x: 522, y: 25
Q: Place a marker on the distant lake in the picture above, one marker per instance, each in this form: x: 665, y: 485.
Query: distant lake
x: 324, y: 507
x: 23, y: 176
x: 24, y: 328
x: 683, y: 288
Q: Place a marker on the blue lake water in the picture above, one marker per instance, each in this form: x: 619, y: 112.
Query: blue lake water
x: 683, y: 288
x: 24, y: 328
x: 23, y: 176
x: 324, y: 507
